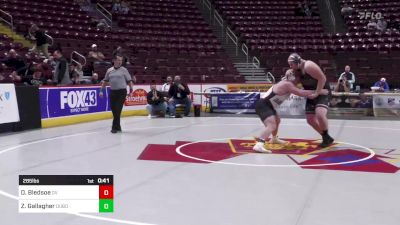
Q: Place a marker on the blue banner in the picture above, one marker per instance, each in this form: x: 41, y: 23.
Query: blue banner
x: 234, y: 103
x: 69, y: 101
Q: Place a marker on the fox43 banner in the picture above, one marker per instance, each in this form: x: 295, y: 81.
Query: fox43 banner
x: 9, y: 112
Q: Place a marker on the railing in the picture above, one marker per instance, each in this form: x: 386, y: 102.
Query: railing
x: 50, y: 38
x: 7, y: 18
x: 233, y: 37
x: 245, y: 51
x: 207, y: 4
x: 105, y: 13
x: 78, y: 55
x: 220, y: 21
x: 270, y: 77
x: 328, y: 4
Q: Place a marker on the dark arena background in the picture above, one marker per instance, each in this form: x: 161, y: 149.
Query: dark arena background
x: 199, y: 112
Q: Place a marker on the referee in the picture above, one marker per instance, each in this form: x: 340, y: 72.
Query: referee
x: 118, y: 77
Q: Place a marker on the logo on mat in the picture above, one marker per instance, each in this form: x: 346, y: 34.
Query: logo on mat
x: 7, y: 95
x: 137, y: 97
x: 301, y: 153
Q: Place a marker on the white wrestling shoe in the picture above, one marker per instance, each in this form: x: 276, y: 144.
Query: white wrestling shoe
x: 259, y: 147
x: 276, y: 140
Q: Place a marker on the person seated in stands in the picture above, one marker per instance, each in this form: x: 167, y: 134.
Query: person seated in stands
x: 381, y: 25
x: 371, y: 25
x: 307, y: 8
x: 382, y: 85
x: 363, y: 102
x: 88, y: 69
x: 179, y: 93
x: 165, y: 87
x: 102, y: 25
x: 38, y: 79
x: 346, y: 10
x: 116, y: 7
x: 342, y: 85
x: 46, y: 69
x: 75, y: 73
x: 15, y: 62
x: 124, y: 7
x: 156, y: 104
x: 95, y: 79
x: 95, y: 54
x: 350, y: 77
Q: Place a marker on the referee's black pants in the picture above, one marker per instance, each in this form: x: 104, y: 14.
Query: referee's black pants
x: 117, y: 99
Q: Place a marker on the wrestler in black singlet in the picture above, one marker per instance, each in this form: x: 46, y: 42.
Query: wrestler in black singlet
x: 310, y: 83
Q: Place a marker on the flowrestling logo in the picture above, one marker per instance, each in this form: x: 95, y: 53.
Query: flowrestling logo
x: 370, y: 15
x: 78, y: 100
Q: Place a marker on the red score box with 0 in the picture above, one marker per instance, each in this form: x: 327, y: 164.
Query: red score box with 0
x: 106, y: 192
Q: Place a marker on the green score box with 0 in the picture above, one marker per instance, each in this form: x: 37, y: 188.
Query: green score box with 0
x: 66, y: 194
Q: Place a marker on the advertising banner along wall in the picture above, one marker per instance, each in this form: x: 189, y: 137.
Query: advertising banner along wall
x: 9, y: 112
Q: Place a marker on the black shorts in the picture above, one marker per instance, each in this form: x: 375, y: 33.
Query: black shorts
x: 320, y: 101
x: 265, y: 109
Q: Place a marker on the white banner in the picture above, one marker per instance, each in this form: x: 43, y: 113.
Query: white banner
x: 8, y: 104
x: 386, y: 105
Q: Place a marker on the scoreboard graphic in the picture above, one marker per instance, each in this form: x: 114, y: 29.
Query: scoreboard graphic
x: 66, y: 193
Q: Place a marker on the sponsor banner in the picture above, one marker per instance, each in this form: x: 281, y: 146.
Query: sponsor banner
x: 68, y: 101
x: 137, y: 97
x: 248, y: 87
x: 9, y: 112
x: 209, y: 89
x: 386, y: 105
x: 234, y: 102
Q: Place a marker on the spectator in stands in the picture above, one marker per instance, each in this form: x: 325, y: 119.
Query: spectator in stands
x: 347, y: 10
x: 61, y: 73
x: 103, y: 25
x: 38, y: 79
x: 179, y: 93
x: 75, y: 73
x: 350, y: 77
x: 307, y: 8
x: 165, y: 87
x: 156, y: 103
x: 116, y: 7
x: 341, y: 101
x: 95, y: 79
x: 15, y: 62
x: 94, y: 53
x: 88, y: 69
x: 41, y: 40
x: 381, y: 25
x: 363, y: 102
x: 124, y: 7
x: 46, y: 69
x: 382, y: 84
x: 120, y: 51
x: 342, y: 85
x: 371, y: 25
